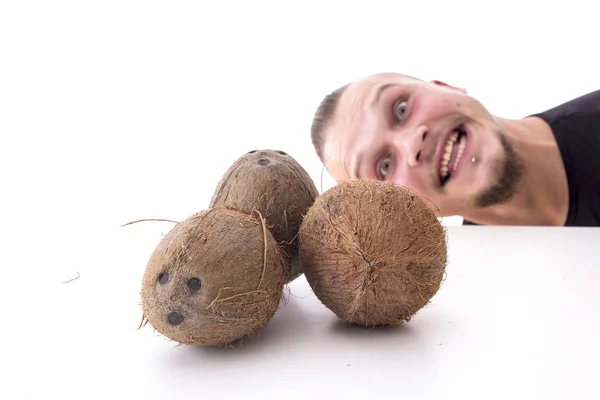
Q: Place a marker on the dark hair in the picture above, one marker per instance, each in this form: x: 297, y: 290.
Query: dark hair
x: 323, y: 117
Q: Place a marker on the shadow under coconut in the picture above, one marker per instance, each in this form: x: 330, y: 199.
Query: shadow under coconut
x: 287, y: 325
x: 350, y: 330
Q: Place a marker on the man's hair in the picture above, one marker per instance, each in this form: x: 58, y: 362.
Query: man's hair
x: 323, y: 117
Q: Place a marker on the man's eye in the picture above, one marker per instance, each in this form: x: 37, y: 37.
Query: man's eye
x: 400, y: 109
x: 384, y: 167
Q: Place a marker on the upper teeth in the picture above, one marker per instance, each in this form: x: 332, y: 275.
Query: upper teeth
x: 448, y: 151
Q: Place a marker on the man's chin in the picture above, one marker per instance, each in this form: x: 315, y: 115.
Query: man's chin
x: 496, y: 195
x: 509, y: 174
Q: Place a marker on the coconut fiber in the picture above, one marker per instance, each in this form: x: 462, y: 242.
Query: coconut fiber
x: 216, y: 277
x: 373, y: 252
x: 274, y: 183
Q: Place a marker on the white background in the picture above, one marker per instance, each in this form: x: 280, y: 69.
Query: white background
x: 112, y: 111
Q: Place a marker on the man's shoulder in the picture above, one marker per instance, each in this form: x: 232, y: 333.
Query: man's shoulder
x: 576, y: 127
x: 585, y: 106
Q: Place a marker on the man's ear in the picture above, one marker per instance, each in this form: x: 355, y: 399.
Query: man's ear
x: 440, y: 83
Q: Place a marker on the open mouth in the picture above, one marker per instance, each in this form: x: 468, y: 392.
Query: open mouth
x: 452, y: 153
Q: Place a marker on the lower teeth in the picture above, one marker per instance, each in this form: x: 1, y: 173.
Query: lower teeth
x: 461, y: 147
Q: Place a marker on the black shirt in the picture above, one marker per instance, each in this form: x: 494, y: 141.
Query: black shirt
x: 576, y: 127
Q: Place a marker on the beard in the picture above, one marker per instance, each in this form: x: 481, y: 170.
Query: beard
x: 509, y: 174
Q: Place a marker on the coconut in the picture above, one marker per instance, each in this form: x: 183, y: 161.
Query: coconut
x: 274, y: 183
x: 213, y: 279
x: 373, y: 252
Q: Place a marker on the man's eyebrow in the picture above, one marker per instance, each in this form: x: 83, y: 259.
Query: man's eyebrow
x: 377, y: 96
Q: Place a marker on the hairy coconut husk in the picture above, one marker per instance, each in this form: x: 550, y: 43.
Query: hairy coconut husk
x: 274, y: 183
x: 215, y: 278
x: 373, y: 252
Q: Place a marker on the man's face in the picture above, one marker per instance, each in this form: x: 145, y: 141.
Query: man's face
x: 423, y: 135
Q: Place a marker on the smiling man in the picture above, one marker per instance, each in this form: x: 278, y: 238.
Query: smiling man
x: 543, y: 169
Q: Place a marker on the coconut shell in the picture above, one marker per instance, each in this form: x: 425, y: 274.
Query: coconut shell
x: 373, y: 252
x: 215, y: 278
x: 274, y: 183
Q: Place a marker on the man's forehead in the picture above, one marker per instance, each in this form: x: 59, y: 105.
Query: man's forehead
x: 357, y: 93
x: 379, y: 79
x: 350, y: 116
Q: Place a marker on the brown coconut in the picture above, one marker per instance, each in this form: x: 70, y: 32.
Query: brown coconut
x: 215, y: 278
x: 373, y: 252
x: 274, y: 183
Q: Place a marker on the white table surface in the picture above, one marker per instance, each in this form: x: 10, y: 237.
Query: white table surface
x: 517, y: 317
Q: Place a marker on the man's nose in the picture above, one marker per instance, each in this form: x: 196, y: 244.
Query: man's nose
x: 413, y: 145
